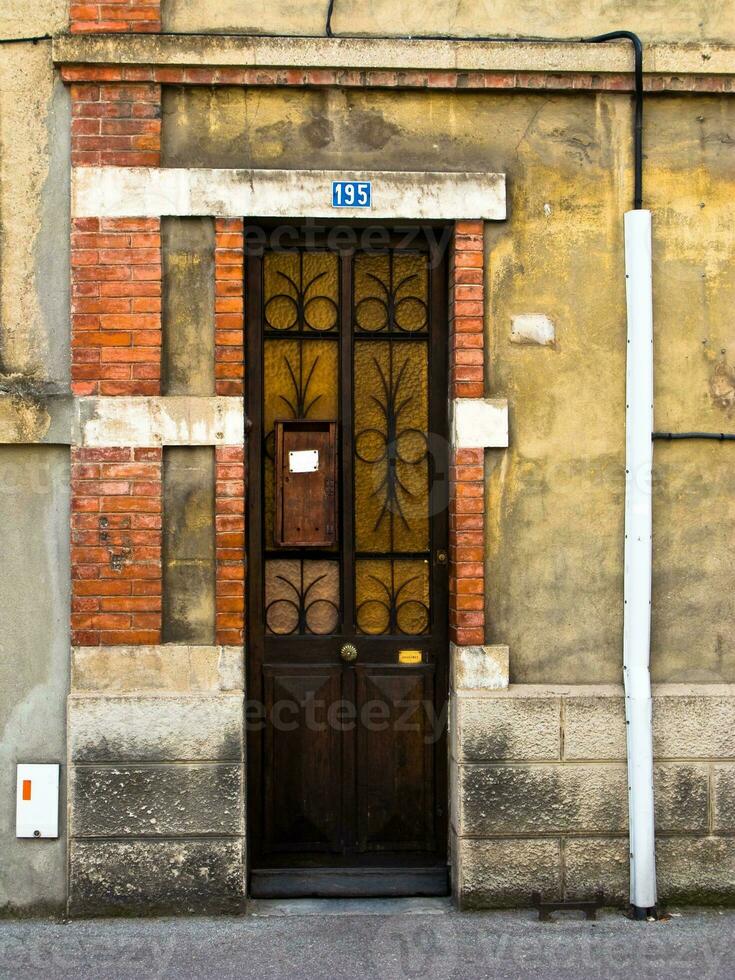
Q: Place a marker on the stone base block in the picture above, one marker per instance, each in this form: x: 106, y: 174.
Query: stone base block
x: 504, y: 873
x: 597, y: 866
x: 696, y: 870
x: 156, y: 786
x: 155, y: 729
x: 149, y: 877
x: 157, y: 800
x: 550, y: 764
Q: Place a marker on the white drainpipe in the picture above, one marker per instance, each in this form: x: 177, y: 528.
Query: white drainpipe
x: 638, y: 555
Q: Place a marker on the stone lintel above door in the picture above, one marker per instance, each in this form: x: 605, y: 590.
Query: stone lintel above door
x: 118, y: 192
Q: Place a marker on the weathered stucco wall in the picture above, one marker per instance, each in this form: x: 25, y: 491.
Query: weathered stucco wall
x: 34, y: 217
x: 34, y: 495
x: 245, y: 16
x: 555, y: 499
x: 34, y: 659
x: 691, y: 183
x: 187, y: 252
x: 653, y: 19
x: 19, y: 18
x: 188, y: 545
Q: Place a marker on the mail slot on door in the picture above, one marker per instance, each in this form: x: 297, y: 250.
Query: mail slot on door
x: 306, y: 473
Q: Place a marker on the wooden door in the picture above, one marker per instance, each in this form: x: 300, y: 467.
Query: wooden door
x: 347, y: 643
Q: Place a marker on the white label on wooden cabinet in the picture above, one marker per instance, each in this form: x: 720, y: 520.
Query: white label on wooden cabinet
x: 303, y: 461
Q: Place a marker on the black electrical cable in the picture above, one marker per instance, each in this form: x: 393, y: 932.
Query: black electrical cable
x: 638, y: 119
x: 674, y: 436
x: 25, y: 40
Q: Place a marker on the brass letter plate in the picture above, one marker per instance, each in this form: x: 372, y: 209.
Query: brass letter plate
x: 410, y: 657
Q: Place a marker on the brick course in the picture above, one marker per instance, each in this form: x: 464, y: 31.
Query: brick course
x: 408, y: 79
x: 116, y: 124
x: 229, y: 307
x: 115, y: 16
x: 116, y: 513
x: 116, y: 306
x: 230, y: 544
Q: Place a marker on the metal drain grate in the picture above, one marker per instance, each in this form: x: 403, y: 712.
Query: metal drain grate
x: 547, y: 909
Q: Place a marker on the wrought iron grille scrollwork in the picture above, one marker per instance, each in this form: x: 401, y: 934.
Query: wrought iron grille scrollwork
x: 299, y: 611
x: 296, y: 308
x: 387, y: 445
x: 299, y: 404
x: 395, y: 307
x: 393, y: 614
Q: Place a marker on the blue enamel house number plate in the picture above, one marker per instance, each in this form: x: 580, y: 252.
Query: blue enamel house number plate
x: 351, y: 194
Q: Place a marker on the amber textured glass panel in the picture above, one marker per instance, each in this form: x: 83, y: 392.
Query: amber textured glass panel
x: 391, y: 292
x: 301, y: 597
x: 391, y: 446
x: 300, y: 380
x: 301, y: 291
x: 392, y: 596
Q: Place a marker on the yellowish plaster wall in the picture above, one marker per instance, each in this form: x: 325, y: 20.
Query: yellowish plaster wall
x: 654, y: 20
x: 21, y: 18
x: 34, y: 214
x: 690, y: 188
x: 555, y: 498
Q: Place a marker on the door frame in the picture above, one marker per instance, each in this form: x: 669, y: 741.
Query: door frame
x: 440, y: 349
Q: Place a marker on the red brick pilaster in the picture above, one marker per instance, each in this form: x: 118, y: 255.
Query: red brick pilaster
x: 116, y: 306
x: 230, y: 555
x: 467, y: 549
x: 116, y: 124
x: 466, y: 305
x: 467, y: 499
x: 229, y: 305
x: 116, y: 546
x: 114, y: 16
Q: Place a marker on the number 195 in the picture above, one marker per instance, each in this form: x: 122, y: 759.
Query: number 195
x: 351, y: 194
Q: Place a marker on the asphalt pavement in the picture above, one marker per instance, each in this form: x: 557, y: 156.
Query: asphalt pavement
x: 391, y: 939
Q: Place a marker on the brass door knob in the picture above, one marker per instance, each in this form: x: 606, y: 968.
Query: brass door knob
x: 348, y: 653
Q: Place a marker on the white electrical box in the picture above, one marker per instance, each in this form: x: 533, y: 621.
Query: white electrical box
x: 37, y: 801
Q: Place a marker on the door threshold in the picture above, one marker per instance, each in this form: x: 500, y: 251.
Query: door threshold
x: 353, y: 883
x: 273, y: 908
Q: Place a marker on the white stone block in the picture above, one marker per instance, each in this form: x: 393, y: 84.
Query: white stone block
x: 532, y: 328
x: 480, y: 423
x: 480, y: 667
x: 174, y: 420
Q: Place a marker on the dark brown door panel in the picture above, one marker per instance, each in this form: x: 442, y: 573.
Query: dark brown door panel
x: 395, y: 758
x: 347, y: 577
x: 303, y: 752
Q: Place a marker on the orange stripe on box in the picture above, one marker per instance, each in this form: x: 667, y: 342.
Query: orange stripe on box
x: 26, y: 789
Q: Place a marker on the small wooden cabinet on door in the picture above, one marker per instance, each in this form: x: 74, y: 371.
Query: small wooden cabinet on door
x: 347, y: 566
